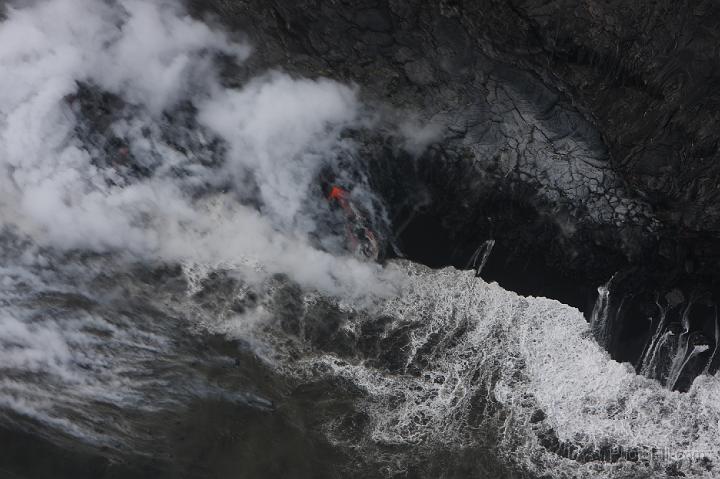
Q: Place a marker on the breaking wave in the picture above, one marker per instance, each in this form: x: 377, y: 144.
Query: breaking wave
x: 147, y: 205
x: 474, y: 358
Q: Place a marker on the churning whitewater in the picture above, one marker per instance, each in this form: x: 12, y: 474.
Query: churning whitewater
x: 150, y: 205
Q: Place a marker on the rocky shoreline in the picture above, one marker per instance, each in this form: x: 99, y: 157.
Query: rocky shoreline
x: 580, y: 137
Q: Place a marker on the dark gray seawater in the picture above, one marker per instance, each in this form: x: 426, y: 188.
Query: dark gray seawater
x: 111, y: 369
x: 178, y: 299
x: 114, y: 368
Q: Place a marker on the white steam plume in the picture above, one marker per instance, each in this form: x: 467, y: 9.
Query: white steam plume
x: 157, y: 59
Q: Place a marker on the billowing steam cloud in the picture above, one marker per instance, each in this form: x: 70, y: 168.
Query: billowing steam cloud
x: 67, y: 192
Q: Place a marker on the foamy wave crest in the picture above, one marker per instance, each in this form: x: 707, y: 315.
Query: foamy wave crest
x: 472, y: 359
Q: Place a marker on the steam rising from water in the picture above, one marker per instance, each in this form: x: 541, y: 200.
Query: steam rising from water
x: 160, y: 62
x: 118, y: 139
x: 221, y: 179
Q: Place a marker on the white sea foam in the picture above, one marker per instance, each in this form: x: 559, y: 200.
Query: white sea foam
x: 478, y: 343
x: 527, y: 354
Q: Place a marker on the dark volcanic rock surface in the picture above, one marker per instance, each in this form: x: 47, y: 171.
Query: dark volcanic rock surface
x: 630, y: 87
x: 580, y: 136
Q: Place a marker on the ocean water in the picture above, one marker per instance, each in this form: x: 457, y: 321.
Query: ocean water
x: 177, y: 298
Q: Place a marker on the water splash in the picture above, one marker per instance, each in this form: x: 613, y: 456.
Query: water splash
x: 709, y: 366
x: 601, y: 319
x: 673, y: 347
x: 681, y: 356
x: 480, y: 256
x: 649, y: 357
x: 678, y: 367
